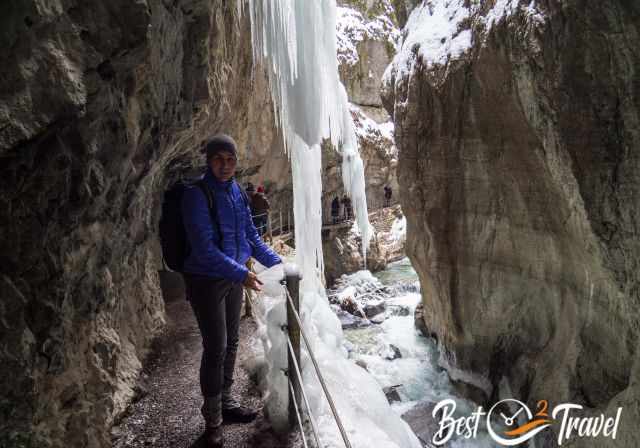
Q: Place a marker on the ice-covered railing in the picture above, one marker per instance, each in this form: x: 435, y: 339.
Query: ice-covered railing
x: 295, y: 41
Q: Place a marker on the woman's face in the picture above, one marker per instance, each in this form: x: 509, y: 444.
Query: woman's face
x: 223, y: 165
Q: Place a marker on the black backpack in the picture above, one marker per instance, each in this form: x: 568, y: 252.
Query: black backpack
x: 173, y: 236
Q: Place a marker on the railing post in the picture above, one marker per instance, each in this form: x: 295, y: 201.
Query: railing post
x: 293, y: 286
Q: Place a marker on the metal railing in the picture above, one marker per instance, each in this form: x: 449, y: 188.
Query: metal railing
x: 294, y: 330
x: 376, y: 202
x: 373, y: 203
x: 279, y: 222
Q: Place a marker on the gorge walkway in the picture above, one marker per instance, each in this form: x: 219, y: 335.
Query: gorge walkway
x: 167, y: 411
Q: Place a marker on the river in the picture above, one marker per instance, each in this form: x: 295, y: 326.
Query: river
x: 419, y: 378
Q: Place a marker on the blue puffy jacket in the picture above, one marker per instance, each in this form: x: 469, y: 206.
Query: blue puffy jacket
x: 222, y: 257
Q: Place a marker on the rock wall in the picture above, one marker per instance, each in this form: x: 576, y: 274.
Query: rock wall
x: 101, y: 104
x: 342, y: 245
x: 519, y: 176
x: 367, y: 36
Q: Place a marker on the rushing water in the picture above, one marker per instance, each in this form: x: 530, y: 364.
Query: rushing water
x: 417, y: 373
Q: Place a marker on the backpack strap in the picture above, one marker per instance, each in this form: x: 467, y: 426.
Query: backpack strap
x: 213, y: 210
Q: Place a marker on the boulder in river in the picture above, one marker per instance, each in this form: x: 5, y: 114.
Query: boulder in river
x: 391, y: 392
x: 418, y: 316
x: 422, y: 422
x: 374, y: 307
x: 470, y: 391
x: 362, y: 363
x: 391, y: 352
x: 399, y: 310
x: 348, y: 320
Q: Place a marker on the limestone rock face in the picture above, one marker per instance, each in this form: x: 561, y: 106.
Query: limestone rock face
x: 342, y: 245
x: 263, y: 160
x: 101, y: 105
x: 342, y: 249
x: 367, y: 35
x: 519, y: 176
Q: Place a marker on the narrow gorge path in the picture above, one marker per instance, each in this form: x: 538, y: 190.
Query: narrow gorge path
x: 167, y: 413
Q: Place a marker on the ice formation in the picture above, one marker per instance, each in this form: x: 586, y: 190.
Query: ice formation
x: 312, y: 105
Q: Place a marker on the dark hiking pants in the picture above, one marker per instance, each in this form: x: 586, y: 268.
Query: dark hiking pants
x: 216, y: 304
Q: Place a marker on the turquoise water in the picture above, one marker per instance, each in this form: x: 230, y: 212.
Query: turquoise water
x: 417, y: 373
x: 399, y: 271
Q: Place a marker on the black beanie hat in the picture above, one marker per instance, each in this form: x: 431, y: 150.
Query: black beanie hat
x: 217, y: 143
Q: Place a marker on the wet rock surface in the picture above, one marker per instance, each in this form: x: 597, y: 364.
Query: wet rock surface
x: 420, y: 419
x: 392, y: 394
x: 364, y: 302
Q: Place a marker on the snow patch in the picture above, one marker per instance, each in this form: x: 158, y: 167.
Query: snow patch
x: 353, y: 27
x: 399, y: 229
x: 440, y: 31
x: 368, y: 130
x: 433, y: 34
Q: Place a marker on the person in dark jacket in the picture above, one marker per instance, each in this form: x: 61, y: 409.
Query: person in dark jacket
x: 346, y: 203
x: 260, y: 207
x: 335, y: 209
x: 215, y: 274
x: 387, y: 195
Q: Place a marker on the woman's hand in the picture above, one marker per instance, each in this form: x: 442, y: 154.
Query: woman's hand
x: 252, y: 282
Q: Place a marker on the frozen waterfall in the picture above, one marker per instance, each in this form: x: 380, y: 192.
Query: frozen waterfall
x: 296, y: 41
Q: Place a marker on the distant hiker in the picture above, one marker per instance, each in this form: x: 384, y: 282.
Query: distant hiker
x: 250, y: 190
x: 387, y: 195
x: 335, y: 209
x: 215, y: 273
x: 260, y: 209
x: 346, y: 203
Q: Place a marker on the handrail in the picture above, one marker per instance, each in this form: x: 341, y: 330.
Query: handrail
x: 304, y: 438
x: 327, y: 394
x: 279, y: 221
x: 373, y: 204
x: 314, y: 425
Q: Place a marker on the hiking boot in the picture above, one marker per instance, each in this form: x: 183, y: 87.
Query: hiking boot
x: 234, y: 412
x: 212, y: 413
x: 213, y: 437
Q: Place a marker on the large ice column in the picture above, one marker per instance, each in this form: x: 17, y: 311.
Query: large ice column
x: 311, y: 102
x: 295, y: 40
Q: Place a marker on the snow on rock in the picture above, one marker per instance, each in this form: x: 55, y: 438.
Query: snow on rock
x: 434, y: 29
x: 439, y: 32
x: 379, y: 134
x: 399, y: 229
x: 352, y: 28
